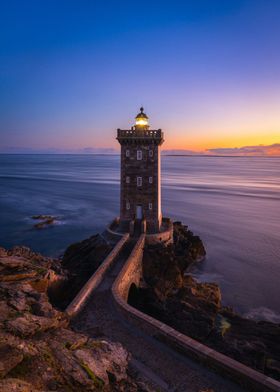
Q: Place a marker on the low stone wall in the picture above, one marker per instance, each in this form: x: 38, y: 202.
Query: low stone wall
x: 79, y: 301
x: 110, y: 233
x: 165, y: 237
x: 248, y: 378
x: 131, y: 271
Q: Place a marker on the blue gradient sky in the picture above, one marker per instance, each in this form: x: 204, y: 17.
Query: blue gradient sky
x: 206, y: 71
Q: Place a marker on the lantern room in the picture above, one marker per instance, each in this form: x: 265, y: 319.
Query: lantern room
x: 141, y: 120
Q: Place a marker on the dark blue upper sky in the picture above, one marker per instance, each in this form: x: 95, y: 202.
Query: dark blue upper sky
x: 206, y: 71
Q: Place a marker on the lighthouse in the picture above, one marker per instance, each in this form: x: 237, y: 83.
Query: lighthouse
x: 140, y: 195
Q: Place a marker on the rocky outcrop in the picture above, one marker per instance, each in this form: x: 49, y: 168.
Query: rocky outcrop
x: 44, y: 221
x: 176, y: 298
x: 255, y: 343
x: 79, y: 262
x: 164, y: 266
x: 38, y: 350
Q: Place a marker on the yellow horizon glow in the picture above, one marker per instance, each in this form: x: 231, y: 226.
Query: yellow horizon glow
x: 201, y: 143
x: 195, y: 137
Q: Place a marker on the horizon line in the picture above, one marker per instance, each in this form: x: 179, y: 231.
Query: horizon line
x: 166, y: 155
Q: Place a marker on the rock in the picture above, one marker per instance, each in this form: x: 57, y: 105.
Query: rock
x: 195, y: 309
x: 29, y: 324
x: 42, y: 217
x: 39, y: 352
x: 42, y: 307
x: 15, y: 385
x: 24, y: 251
x: 19, y: 276
x: 172, y: 295
x: 13, y: 262
x: 9, y: 358
x: 98, y: 366
x: 86, y: 255
x: 45, y: 221
x: 273, y: 366
x: 80, y: 261
x: 164, y: 267
x: 5, y: 310
x: 18, y: 301
x: 3, y: 252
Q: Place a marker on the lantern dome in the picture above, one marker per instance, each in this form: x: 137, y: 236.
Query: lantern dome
x: 141, y: 120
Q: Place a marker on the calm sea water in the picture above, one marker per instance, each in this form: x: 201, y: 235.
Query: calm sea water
x: 232, y: 203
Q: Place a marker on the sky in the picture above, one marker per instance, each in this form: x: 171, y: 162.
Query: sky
x: 206, y: 71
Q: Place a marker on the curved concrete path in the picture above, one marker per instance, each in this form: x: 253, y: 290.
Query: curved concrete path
x: 164, y: 368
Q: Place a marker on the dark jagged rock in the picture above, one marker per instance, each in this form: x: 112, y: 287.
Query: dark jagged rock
x: 86, y: 256
x: 80, y: 261
x: 45, y: 221
x: 195, y: 309
x: 164, y: 267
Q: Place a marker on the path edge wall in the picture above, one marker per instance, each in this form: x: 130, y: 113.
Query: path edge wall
x: 241, y: 374
x: 81, y: 298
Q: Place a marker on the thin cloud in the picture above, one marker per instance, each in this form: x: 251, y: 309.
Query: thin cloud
x: 272, y: 150
x: 261, y: 150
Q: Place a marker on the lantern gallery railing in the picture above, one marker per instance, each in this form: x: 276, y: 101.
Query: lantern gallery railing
x: 154, y: 134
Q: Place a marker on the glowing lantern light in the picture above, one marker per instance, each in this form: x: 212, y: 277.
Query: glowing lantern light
x: 141, y: 120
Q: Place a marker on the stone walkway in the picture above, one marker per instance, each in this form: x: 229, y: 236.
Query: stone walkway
x: 163, y: 367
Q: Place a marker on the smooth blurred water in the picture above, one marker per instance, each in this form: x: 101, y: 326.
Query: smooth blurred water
x: 232, y: 203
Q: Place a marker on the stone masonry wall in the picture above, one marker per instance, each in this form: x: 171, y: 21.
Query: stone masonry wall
x: 79, y: 301
x: 148, y: 193
x: 132, y: 270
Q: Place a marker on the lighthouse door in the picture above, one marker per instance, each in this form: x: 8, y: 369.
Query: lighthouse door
x: 139, y: 212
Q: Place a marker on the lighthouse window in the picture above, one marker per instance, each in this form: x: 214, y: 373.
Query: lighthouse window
x: 139, y: 181
x: 127, y: 205
x: 151, y: 153
x: 127, y: 153
x: 150, y: 180
x: 139, y: 155
x: 150, y: 206
x: 127, y: 180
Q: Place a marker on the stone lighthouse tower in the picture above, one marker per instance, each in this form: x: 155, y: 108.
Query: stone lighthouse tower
x: 140, y: 203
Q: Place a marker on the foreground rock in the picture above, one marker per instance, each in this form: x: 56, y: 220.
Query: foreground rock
x: 195, y: 309
x: 38, y: 350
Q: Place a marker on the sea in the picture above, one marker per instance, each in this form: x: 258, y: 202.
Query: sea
x: 232, y: 203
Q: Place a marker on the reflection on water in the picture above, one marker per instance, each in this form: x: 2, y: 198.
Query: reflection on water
x: 232, y: 203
